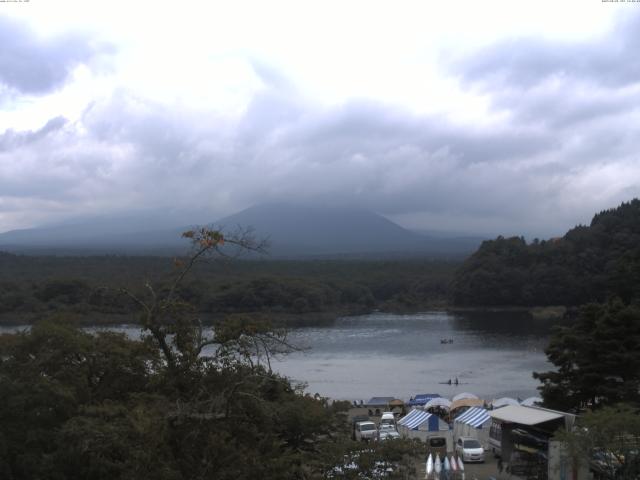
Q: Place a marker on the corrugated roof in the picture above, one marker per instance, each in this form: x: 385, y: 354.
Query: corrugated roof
x: 475, y: 417
x: 524, y: 415
x: 414, y: 419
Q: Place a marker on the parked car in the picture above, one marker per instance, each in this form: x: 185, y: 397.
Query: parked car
x: 387, y: 432
x: 366, y: 431
x: 469, y: 449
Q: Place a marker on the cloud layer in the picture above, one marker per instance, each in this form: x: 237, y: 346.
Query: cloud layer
x: 560, y: 141
x: 31, y: 64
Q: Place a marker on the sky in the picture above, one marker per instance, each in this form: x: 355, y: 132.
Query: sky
x: 493, y: 117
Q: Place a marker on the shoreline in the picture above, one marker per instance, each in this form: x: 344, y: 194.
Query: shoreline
x: 286, y: 319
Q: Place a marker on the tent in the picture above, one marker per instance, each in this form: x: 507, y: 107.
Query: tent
x: 422, y: 398
x: 503, y: 402
x: 462, y: 395
x: 465, y: 402
x: 474, y: 423
x: 531, y: 401
x: 438, y: 402
x: 423, y: 425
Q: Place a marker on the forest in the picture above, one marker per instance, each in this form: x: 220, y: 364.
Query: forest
x: 589, y: 264
x: 296, y: 291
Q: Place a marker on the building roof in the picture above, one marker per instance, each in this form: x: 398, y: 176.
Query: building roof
x: 476, y: 417
x: 422, y: 398
x: 380, y: 401
x: 525, y: 415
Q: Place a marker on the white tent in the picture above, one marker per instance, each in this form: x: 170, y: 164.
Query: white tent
x: 503, y: 402
x: 531, y: 401
x: 474, y: 423
x: 438, y: 402
x: 462, y: 395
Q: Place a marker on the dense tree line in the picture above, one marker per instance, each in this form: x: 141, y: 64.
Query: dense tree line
x: 34, y: 286
x: 589, y: 264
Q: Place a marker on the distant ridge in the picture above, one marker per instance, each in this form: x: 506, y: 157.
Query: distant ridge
x: 293, y: 231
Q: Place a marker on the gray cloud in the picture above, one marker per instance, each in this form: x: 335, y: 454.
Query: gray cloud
x: 567, y: 147
x: 11, y: 139
x: 522, y: 63
x: 34, y: 65
x: 126, y: 152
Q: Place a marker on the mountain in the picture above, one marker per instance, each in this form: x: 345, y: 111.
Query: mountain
x: 291, y: 230
x: 133, y: 233
x: 304, y: 230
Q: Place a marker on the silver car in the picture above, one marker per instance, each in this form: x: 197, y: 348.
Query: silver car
x: 469, y: 449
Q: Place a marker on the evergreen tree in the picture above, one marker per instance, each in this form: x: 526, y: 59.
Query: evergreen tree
x: 597, y: 359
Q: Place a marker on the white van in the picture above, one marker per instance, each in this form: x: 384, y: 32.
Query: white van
x: 388, y: 418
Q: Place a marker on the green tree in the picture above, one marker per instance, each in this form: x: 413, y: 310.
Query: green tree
x: 609, y: 438
x: 597, y: 359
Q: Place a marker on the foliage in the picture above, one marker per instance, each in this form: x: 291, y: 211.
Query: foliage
x: 31, y: 286
x: 597, y: 359
x: 588, y: 264
x: 609, y: 438
x: 183, y: 402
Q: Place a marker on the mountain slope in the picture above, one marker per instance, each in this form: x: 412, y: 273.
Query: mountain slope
x: 292, y: 231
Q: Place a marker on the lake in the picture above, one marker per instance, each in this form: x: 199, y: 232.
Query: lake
x: 493, y: 354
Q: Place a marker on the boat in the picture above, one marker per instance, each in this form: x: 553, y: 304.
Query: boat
x: 429, y: 467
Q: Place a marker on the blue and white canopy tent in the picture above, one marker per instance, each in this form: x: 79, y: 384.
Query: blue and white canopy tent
x: 424, y: 425
x: 474, y: 423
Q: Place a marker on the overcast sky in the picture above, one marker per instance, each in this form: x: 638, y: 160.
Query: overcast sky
x: 484, y: 117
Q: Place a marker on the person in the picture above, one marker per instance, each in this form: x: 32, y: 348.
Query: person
x: 456, y: 380
x: 449, y: 382
x: 500, y: 465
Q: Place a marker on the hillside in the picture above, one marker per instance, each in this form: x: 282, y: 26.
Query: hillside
x: 590, y: 263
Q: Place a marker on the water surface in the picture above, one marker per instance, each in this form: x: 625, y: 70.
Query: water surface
x: 493, y: 354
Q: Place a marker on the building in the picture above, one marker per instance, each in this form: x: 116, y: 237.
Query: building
x: 526, y: 443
